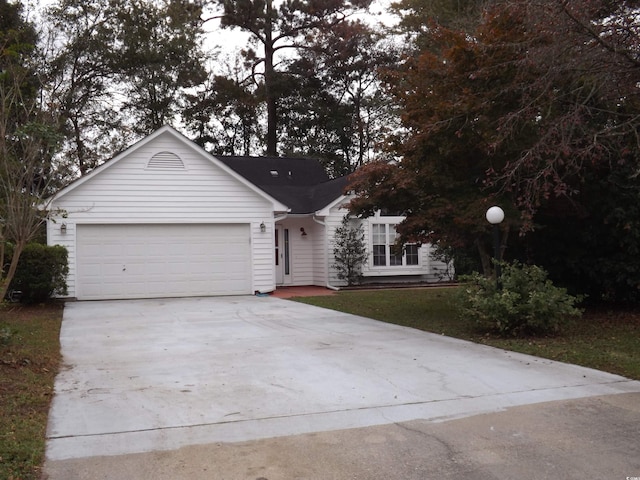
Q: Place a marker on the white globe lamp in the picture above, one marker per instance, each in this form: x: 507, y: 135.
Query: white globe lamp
x: 495, y: 215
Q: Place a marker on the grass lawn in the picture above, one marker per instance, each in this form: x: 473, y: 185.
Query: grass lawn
x: 601, y: 339
x: 29, y: 361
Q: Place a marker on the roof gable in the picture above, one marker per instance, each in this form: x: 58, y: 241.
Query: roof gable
x: 165, y: 160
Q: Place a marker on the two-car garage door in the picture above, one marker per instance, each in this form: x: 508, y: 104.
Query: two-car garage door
x: 177, y: 260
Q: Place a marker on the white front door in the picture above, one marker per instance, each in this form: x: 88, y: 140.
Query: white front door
x: 283, y: 267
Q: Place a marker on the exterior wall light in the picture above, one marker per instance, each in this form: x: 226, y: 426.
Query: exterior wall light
x: 302, y: 232
x: 63, y: 228
x: 263, y: 227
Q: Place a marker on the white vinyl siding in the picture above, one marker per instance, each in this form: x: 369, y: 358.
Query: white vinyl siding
x: 415, y: 262
x: 302, y: 250
x: 332, y: 222
x: 204, y: 192
x: 319, y: 247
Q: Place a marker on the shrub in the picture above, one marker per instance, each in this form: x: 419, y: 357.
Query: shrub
x: 41, y: 273
x: 350, y: 251
x: 528, y: 302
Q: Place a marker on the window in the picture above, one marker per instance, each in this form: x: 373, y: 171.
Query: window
x: 411, y: 254
x: 386, y: 212
x: 395, y: 254
x: 379, y: 239
x: 385, y: 251
x: 287, y: 263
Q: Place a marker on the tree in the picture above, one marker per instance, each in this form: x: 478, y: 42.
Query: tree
x: 580, y: 105
x: 120, y: 69
x: 590, y: 243
x: 418, y: 16
x: 224, y: 115
x: 336, y: 108
x: 83, y: 53
x: 28, y: 141
x: 350, y: 251
x: 330, y: 102
x: 160, y: 59
x: 525, y: 110
x: 439, y: 182
x: 278, y: 28
x: 17, y: 39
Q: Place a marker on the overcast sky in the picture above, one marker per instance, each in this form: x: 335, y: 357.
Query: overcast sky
x: 232, y: 40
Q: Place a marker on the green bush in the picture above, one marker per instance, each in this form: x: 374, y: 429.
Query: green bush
x: 350, y: 251
x: 527, y: 304
x: 41, y: 273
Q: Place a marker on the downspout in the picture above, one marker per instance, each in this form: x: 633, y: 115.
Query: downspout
x: 326, y: 251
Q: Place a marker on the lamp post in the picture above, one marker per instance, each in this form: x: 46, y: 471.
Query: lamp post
x: 495, y: 216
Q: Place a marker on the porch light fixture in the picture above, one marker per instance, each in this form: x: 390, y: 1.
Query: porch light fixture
x: 302, y: 232
x: 63, y: 228
x: 263, y: 227
x: 495, y: 216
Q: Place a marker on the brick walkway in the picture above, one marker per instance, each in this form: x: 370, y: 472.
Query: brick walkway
x: 309, y: 291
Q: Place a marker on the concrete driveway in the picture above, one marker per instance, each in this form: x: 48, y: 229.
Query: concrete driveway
x: 264, y: 388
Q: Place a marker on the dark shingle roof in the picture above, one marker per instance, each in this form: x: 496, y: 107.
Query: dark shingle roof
x: 300, y: 183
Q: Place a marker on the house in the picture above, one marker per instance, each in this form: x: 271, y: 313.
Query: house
x: 166, y: 219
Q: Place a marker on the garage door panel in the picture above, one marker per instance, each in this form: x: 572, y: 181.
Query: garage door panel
x: 135, y: 250
x: 143, y: 261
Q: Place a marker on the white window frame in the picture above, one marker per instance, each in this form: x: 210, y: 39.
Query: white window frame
x: 389, y: 237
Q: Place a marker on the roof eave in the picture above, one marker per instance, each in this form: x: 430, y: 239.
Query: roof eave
x: 326, y: 210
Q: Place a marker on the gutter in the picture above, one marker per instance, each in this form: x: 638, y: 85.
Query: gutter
x: 281, y: 215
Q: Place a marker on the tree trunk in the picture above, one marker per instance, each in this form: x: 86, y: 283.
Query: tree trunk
x: 503, y: 241
x: 6, y: 281
x: 82, y: 163
x: 361, y: 132
x: 485, y: 259
x: 269, y: 77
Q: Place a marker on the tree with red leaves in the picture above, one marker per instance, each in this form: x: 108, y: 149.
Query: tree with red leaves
x: 521, y: 111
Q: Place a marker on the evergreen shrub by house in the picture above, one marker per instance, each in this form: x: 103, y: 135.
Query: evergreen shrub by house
x: 350, y: 251
x: 41, y: 273
x: 527, y: 304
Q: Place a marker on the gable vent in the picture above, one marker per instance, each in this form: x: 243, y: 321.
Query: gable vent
x: 166, y: 160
